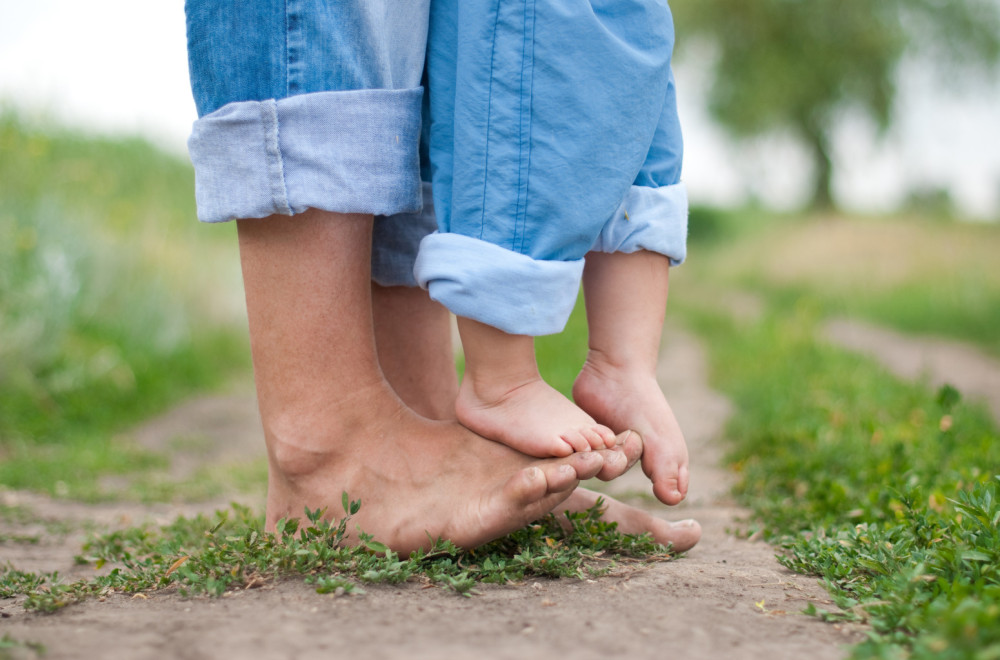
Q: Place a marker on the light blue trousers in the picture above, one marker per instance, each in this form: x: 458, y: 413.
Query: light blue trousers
x: 549, y: 130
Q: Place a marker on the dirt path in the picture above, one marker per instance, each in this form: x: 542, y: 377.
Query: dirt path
x: 974, y: 373
x: 727, y: 598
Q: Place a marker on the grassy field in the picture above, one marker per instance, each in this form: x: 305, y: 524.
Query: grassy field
x: 909, y: 272
x: 113, y: 303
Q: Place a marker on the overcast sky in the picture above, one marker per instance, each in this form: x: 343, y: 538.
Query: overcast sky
x: 120, y: 66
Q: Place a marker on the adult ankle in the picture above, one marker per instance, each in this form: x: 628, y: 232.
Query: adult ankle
x: 310, y: 434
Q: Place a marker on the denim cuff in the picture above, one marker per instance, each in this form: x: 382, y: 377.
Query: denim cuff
x: 346, y: 152
x: 395, y: 240
x: 498, y: 287
x: 653, y: 219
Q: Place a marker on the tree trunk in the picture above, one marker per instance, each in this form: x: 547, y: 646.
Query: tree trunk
x: 816, y: 141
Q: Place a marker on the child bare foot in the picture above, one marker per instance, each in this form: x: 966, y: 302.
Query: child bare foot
x: 633, y: 400
x: 425, y: 380
x: 503, y: 397
x: 626, y: 298
x: 531, y: 417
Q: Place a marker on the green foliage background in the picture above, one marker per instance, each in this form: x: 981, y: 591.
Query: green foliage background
x: 110, y: 301
x: 800, y: 65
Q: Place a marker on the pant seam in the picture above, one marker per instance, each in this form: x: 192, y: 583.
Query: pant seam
x: 293, y: 45
x: 489, y: 116
x: 524, y: 126
x: 272, y: 150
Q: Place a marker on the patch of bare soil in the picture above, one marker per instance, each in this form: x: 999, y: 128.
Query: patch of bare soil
x: 210, y: 430
x: 726, y: 598
x: 937, y: 361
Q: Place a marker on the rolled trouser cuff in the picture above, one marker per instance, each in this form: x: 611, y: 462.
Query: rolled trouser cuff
x: 653, y: 219
x: 395, y: 240
x: 490, y: 284
x: 346, y: 152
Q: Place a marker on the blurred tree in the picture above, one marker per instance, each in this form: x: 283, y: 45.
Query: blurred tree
x: 798, y: 64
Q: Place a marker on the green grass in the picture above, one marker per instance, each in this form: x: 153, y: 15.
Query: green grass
x: 886, y: 491
x: 560, y: 357
x: 11, y: 648
x: 210, y: 481
x: 212, y: 555
x: 110, y: 299
x: 907, y: 272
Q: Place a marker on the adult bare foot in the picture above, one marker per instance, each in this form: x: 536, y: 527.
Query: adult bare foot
x: 625, y: 399
x: 503, y: 397
x: 415, y: 352
x: 681, y: 535
x: 417, y: 480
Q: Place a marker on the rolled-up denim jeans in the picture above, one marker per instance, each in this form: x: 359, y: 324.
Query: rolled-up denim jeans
x: 535, y: 154
x: 553, y: 132
x: 307, y: 104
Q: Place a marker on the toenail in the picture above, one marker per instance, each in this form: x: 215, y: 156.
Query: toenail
x: 533, y: 473
x: 567, y: 469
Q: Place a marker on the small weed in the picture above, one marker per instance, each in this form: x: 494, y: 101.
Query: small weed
x: 22, y: 539
x: 14, y: 582
x: 9, y: 646
x: 338, y: 586
x: 16, y: 518
x: 15, y: 513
